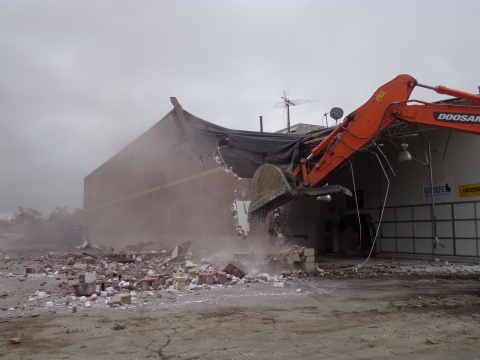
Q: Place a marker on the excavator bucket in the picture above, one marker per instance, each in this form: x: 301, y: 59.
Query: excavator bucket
x: 273, y: 187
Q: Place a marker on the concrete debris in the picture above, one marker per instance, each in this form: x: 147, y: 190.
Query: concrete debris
x: 124, y: 298
x: 75, y: 282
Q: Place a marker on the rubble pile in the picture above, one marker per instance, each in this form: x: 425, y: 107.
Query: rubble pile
x: 112, y: 273
x: 121, y: 279
x: 105, y: 277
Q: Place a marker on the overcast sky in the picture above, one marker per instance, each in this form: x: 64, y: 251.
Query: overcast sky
x: 79, y: 80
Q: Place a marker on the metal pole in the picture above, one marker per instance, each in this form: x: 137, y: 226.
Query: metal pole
x: 288, y: 117
x: 261, y: 124
x: 434, y: 217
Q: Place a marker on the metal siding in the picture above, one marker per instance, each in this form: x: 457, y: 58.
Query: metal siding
x: 466, y: 247
x: 464, y: 211
x: 405, y: 245
x: 388, y: 245
x: 404, y: 214
x: 404, y: 229
x: 423, y: 246
x: 465, y: 229
x: 422, y: 212
x: 444, y: 229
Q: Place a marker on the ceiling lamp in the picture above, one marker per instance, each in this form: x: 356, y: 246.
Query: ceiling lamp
x: 325, y: 198
x: 404, y: 154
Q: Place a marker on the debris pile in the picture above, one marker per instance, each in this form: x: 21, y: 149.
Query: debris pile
x: 123, y: 279
x: 105, y: 277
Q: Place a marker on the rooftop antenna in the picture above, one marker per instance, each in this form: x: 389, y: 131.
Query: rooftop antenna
x: 286, y: 103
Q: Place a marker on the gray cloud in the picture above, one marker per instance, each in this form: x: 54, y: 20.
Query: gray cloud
x: 81, y: 79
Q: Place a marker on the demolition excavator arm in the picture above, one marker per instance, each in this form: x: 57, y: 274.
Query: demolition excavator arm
x: 359, y: 131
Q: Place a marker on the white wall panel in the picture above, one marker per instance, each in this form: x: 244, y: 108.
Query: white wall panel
x: 424, y: 246
x: 404, y: 229
x: 422, y: 212
x: 404, y: 214
x: 388, y: 245
x: 465, y: 229
x: 405, y: 245
x: 466, y: 247
x: 389, y: 230
x: 444, y: 229
x: 464, y: 211
x: 423, y: 229
x: 443, y: 211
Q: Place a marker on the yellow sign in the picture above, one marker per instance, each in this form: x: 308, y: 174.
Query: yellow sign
x: 469, y: 190
x: 380, y: 95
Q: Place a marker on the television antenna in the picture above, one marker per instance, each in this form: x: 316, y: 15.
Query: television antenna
x: 286, y: 103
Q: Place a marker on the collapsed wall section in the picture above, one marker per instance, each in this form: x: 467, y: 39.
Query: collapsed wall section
x: 157, y: 190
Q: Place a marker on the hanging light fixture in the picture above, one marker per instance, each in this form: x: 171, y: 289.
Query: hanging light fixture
x: 404, y: 155
x: 325, y: 198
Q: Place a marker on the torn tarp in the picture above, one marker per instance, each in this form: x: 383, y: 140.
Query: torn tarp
x: 258, y: 147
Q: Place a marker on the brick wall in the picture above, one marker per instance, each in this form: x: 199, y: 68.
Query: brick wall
x: 155, y: 189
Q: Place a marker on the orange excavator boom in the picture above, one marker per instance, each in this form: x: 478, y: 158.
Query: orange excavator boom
x: 359, y: 131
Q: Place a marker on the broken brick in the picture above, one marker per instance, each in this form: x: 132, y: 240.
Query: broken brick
x: 235, y: 268
x: 147, y: 283
x: 309, y: 252
x: 222, y: 277
x: 17, y: 339
x: 124, y: 298
x: 205, y: 278
x: 84, y: 289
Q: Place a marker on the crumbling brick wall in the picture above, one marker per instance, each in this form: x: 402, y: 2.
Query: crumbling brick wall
x: 156, y: 189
